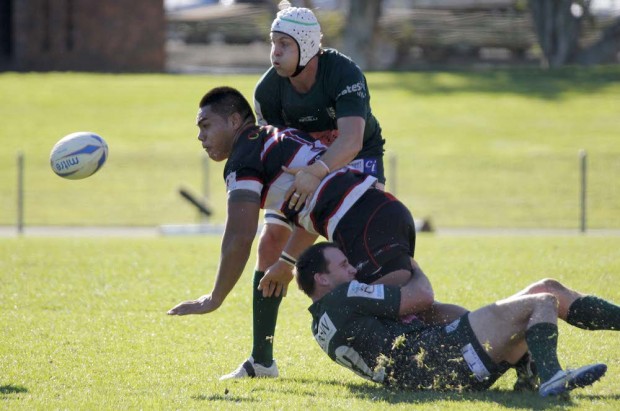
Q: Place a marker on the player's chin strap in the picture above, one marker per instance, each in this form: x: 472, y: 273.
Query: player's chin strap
x: 301, y: 68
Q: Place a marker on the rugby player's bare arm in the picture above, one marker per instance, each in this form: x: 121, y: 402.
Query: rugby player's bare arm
x: 240, y: 231
x: 348, y: 144
x: 279, y: 275
x: 417, y: 295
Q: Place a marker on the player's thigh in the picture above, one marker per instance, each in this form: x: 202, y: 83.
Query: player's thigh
x: 445, y: 357
x: 500, y: 327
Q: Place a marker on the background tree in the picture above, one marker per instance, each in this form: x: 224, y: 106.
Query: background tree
x: 359, y: 32
x: 559, y: 25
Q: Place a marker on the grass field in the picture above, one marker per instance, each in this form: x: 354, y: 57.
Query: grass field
x: 473, y: 149
x: 83, y: 326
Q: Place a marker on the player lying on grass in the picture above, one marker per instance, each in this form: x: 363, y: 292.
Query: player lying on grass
x: 375, y: 229
x: 359, y: 327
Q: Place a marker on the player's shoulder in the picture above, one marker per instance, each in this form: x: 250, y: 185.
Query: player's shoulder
x: 335, y: 60
x: 247, y: 143
x: 335, y: 55
x: 338, y: 69
x: 267, y: 82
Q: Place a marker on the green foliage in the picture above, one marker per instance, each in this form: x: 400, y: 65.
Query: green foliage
x: 496, y: 148
x: 83, y: 326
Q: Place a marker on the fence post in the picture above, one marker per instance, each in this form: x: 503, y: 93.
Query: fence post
x: 392, y: 177
x: 205, y: 184
x: 20, y: 193
x: 583, y: 192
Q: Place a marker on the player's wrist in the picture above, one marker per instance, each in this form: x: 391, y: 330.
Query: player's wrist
x: 319, y: 169
x: 287, y: 259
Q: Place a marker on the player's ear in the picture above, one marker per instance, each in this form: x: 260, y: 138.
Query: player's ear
x: 235, y: 121
x: 321, y: 279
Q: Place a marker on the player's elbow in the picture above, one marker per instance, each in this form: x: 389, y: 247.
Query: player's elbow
x: 421, y: 300
x: 426, y: 298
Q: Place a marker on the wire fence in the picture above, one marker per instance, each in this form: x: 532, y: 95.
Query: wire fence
x: 543, y: 192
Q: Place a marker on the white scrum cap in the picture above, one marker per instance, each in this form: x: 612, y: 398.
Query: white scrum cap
x: 301, y: 24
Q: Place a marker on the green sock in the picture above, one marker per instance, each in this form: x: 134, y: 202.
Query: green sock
x: 542, y: 341
x: 593, y: 313
x: 265, y: 315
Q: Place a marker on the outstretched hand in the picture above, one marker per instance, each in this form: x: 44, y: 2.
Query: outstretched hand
x: 276, y: 280
x: 303, y: 187
x: 202, y: 305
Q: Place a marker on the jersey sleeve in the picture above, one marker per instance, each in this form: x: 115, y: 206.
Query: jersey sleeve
x: 267, y: 103
x: 351, y: 93
x: 244, y: 169
x: 373, y: 299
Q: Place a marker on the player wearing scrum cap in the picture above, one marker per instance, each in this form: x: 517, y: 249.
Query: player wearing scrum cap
x: 322, y: 92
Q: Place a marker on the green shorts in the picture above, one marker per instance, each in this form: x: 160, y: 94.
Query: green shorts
x: 447, y: 357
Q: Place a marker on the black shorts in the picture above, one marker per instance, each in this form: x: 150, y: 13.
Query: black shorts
x: 443, y: 358
x: 377, y: 235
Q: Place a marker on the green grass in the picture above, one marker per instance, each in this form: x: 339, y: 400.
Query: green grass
x: 83, y: 326
x: 496, y: 148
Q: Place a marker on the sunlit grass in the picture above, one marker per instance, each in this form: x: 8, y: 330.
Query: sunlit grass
x: 496, y: 148
x: 83, y: 325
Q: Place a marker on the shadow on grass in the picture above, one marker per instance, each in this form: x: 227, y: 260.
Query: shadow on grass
x: 376, y: 393
x: 225, y: 396
x: 537, y: 83
x: 12, y: 389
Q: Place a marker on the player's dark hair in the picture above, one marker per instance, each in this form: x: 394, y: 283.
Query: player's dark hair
x: 310, y: 262
x: 225, y: 101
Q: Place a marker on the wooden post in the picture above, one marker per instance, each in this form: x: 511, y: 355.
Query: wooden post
x: 392, y: 179
x: 20, y: 193
x: 205, y: 185
x: 583, y: 192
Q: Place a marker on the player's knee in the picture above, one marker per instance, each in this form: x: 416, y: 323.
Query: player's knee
x: 546, y: 300
x: 272, y: 240
x: 546, y: 285
x: 552, y: 284
x: 272, y: 237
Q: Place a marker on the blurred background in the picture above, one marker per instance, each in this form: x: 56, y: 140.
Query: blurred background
x: 486, y: 105
x: 190, y: 35
x: 409, y: 34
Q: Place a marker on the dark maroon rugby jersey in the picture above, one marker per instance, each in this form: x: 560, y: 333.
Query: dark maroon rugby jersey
x: 255, y: 165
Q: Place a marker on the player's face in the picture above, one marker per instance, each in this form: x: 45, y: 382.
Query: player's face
x: 284, y: 54
x: 215, y: 133
x: 339, y: 269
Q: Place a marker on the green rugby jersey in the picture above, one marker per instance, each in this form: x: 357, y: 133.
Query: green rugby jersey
x: 340, y: 90
x: 356, y: 323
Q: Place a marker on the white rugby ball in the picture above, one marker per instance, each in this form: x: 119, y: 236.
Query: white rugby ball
x: 79, y: 155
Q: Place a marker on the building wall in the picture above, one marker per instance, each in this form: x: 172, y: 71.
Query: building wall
x: 88, y: 35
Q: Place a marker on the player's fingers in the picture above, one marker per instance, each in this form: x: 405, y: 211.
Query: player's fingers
x: 295, y: 200
x: 284, y: 290
x: 261, y: 284
x: 289, y: 193
x: 292, y: 170
x: 278, y: 290
x: 272, y: 288
x: 176, y: 310
x: 268, y: 289
x: 180, y: 309
x: 265, y: 288
x: 300, y: 201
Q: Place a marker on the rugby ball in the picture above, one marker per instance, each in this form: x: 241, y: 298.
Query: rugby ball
x: 79, y: 155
